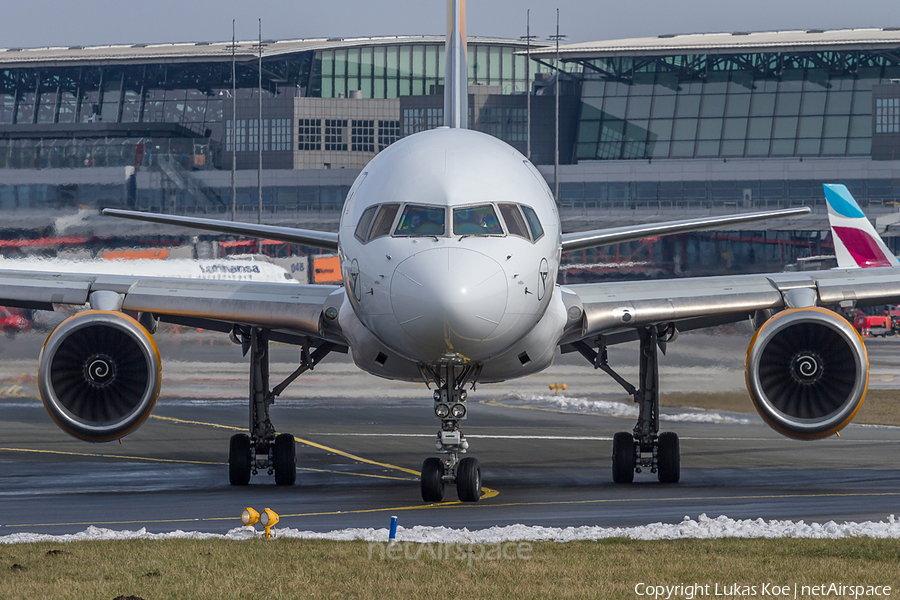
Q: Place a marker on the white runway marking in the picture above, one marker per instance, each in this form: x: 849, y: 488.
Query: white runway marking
x: 598, y: 438
x: 474, y: 436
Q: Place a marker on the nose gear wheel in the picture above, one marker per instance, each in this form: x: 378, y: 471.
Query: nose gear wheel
x: 450, y: 408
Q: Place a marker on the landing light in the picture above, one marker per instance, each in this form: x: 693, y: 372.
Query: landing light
x: 458, y: 411
x: 268, y: 519
x: 441, y: 410
x: 249, y: 516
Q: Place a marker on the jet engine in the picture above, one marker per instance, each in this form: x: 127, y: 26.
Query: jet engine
x: 807, y: 372
x: 99, y: 375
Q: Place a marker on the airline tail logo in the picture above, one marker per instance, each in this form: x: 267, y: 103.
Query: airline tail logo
x: 856, y: 243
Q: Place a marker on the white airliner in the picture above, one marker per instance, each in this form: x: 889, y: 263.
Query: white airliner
x: 450, y: 244
x: 182, y: 268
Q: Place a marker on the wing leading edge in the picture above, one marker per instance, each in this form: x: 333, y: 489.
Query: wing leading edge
x: 609, y: 307
x: 306, y: 237
x: 614, y: 235
x: 294, y: 307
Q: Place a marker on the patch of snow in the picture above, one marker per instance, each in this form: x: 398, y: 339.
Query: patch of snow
x: 620, y: 409
x: 702, y: 528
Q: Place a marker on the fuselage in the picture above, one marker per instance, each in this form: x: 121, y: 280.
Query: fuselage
x: 450, y: 246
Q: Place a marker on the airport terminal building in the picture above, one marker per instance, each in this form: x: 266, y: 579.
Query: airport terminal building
x: 81, y: 115
x: 650, y: 128
x: 756, y: 118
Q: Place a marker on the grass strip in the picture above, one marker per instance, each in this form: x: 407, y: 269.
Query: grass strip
x: 290, y: 568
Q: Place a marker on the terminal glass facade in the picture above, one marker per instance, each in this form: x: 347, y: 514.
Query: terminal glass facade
x: 392, y: 71
x: 761, y: 193
x: 196, y: 96
x: 723, y: 106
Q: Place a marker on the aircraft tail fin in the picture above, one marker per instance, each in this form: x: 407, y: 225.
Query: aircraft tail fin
x: 856, y: 243
x: 456, y: 68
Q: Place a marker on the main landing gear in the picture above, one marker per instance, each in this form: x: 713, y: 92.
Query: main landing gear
x: 263, y: 449
x: 450, y: 408
x: 643, y: 446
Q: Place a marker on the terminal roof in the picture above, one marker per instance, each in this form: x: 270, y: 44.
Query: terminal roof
x: 739, y: 42
x: 207, y: 51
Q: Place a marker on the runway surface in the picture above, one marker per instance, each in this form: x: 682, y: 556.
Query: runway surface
x: 361, y: 442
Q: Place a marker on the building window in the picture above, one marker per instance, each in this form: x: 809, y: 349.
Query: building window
x: 516, y: 124
x: 334, y: 135
x: 240, y: 142
x: 280, y: 135
x: 887, y: 115
x: 362, y: 136
x: 239, y: 136
x: 491, y: 121
x: 309, y: 134
x: 415, y: 120
x: 388, y: 133
x: 253, y: 135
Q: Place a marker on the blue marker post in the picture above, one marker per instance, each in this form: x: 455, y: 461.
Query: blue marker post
x: 393, y: 534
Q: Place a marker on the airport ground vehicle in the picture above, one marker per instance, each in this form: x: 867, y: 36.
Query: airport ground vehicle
x: 13, y: 321
x: 874, y: 326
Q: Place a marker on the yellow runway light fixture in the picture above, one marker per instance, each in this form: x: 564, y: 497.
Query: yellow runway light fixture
x: 556, y: 387
x: 268, y: 519
x: 249, y: 516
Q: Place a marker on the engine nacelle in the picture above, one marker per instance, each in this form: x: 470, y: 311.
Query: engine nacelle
x: 807, y: 372
x: 99, y: 375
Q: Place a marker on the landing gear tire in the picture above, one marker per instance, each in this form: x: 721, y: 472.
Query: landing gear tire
x: 668, y: 458
x: 284, y: 457
x: 239, y: 459
x: 432, y: 480
x: 623, y: 458
x: 468, y: 480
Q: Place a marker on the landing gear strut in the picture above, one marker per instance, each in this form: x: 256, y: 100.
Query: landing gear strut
x: 450, y: 408
x: 263, y: 449
x: 644, y: 446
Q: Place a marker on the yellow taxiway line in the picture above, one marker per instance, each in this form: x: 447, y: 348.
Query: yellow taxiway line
x: 475, y: 505
x: 120, y: 456
x: 487, y: 492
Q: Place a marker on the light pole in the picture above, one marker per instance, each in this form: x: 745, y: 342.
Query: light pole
x: 556, y: 38
x: 259, y: 133
x: 528, y: 37
x: 233, y: 127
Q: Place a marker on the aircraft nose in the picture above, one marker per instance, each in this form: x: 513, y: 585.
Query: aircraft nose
x: 449, y: 299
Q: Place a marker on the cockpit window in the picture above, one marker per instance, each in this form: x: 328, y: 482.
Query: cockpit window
x: 515, y: 224
x: 362, y: 228
x: 476, y: 220
x: 421, y: 220
x: 383, y: 221
x: 533, y: 222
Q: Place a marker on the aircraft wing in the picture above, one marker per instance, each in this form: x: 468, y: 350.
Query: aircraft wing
x: 293, y: 307
x: 701, y: 301
x: 614, y: 235
x: 307, y: 237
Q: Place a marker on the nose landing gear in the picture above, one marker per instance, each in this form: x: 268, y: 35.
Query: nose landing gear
x: 450, y: 408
